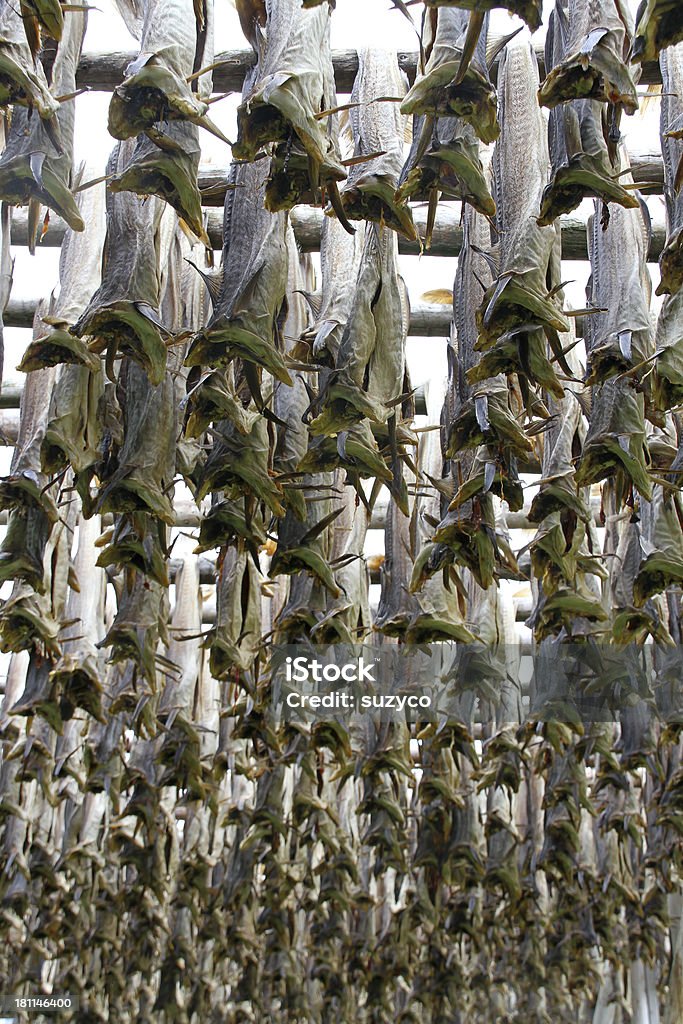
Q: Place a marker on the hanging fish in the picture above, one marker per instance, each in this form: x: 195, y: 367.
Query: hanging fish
x: 583, y: 163
x: 671, y: 260
x: 619, y: 334
x: 377, y: 126
x: 123, y: 314
x: 248, y: 307
x: 36, y: 165
x: 659, y: 23
x: 519, y: 297
x: 597, y: 42
x: 285, y: 101
x: 162, y: 83
x: 22, y: 79
x: 445, y: 89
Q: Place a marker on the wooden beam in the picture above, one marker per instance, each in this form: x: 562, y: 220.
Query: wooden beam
x: 102, y: 72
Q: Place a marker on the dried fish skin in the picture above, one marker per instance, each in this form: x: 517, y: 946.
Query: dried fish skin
x: 80, y: 261
x: 616, y: 438
x: 73, y: 433
x: 37, y: 161
x: 22, y: 80
x: 136, y: 542
x: 519, y: 296
x: 659, y: 23
x: 620, y: 338
x: 444, y: 155
x: 23, y: 547
x: 139, y: 625
x: 347, y: 618
x: 240, y: 463
x: 340, y: 255
x: 27, y: 486
x: 370, y: 364
x: 378, y: 132
x: 253, y: 282
x: 581, y: 162
x: 235, y: 640
x: 166, y: 165
x: 292, y: 84
x: 123, y: 314
x: 142, y: 474
x: 304, y: 546
x: 663, y: 565
x: 155, y: 87
x: 437, y: 93
x: 671, y: 260
x: 530, y: 11
x: 597, y: 36
x: 667, y: 388
x: 77, y: 674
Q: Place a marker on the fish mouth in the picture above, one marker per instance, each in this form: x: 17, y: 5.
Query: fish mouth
x: 18, y: 185
x: 596, y: 75
x: 510, y: 303
x: 465, y: 431
x: 56, y: 347
x: 373, y: 198
x: 121, y: 326
x: 77, y: 680
x: 27, y: 491
x: 577, y: 181
x: 655, y: 32
x: 450, y: 170
x: 18, y: 86
x: 345, y: 404
x: 225, y: 521
x: 471, y: 544
x: 172, y: 177
x: 361, y: 455
x: 474, y: 99
x: 23, y: 548
x: 424, y: 628
x: 227, y: 338
x: 210, y: 402
x: 671, y: 265
x: 128, y: 496
x: 151, y: 95
x: 556, y: 497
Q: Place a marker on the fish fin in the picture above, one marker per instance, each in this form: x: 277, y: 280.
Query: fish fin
x: 213, y: 282
x: 338, y: 207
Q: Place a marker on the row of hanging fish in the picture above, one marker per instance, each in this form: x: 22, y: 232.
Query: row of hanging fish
x: 171, y: 851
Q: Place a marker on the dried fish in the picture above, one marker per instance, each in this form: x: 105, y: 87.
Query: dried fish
x: 340, y: 255
x: 22, y: 79
x: 530, y: 10
x: 165, y: 164
x: 292, y: 85
x: 658, y: 24
x: 519, y: 297
x: 123, y: 314
x: 662, y: 566
x: 620, y: 338
x: 598, y: 37
x: 77, y: 675
x: 444, y: 159
x: 36, y: 166
x: 583, y: 164
x: 253, y: 282
x: 177, y: 41
x: 378, y: 132
x: 671, y: 260
x: 441, y: 91
x: 369, y: 368
x: 235, y: 640
x: 346, y: 617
